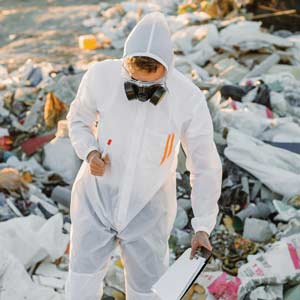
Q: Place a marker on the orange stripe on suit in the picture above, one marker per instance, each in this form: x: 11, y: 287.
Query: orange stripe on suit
x: 171, y: 146
x: 166, y: 150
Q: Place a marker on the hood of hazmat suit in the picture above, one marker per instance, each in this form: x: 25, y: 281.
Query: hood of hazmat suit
x: 134, y: 202
x: 151, y: 38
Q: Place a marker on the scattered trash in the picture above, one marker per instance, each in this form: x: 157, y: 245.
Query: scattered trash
x: 16, y: 282
x: 263, y: 161
x: 181, y: 218
x: 292, y: 293
x: 258, y: 230
x: 267, y: 269
x: 250, y: 77
x: 53, y: 110
x: 11, y: 180
x: 55, y: 157
x: 61, y: 195
x: 267, y: 292
x: 225, y: 287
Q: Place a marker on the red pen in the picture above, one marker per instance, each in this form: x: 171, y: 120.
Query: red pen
x: 105, y: 151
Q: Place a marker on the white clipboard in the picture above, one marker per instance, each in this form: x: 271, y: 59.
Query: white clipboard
x: 181, y: 275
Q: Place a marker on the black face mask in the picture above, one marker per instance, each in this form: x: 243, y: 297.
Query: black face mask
x: 154, y: 93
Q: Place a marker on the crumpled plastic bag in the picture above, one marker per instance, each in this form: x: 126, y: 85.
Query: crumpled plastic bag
x: 194, y: 38
x: 245, y: 33
x: 288, y: 101
x: 250, y: 118
x: 256, y: 120
x: 181, y: 219
x: 268, y: 292
x: 60, y: 156
x: 16, y: 284
x: 276, y: 266
x: 65, y: 87
x: 285, y: 212
x: 32, y: 238
x: 283, y: 130
x: 278, y: 169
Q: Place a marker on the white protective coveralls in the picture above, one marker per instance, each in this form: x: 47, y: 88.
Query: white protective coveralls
x: 134, y: 203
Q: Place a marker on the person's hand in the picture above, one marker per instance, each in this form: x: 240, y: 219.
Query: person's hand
x: 200, y: 239
x: 97, y: 164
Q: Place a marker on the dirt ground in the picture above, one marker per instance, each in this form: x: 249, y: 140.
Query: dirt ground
x: 45, y: 30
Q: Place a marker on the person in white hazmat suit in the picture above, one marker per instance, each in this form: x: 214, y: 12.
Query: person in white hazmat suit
x: 128, y: 197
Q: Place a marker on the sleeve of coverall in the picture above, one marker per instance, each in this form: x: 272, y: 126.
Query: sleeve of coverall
x: 81, y: 119
x: 204, y: 164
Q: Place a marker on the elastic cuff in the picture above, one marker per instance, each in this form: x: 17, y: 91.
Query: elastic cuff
x: 132, y: 294
x: 199, y: 227
x: 84, y: 286
x: 85, y: 156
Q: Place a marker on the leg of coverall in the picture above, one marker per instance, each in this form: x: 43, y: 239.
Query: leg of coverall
x: 144, y: 243
x: 92, y: 244
x: 144, y: 263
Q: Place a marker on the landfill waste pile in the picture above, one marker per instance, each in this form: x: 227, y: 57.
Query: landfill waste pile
x: 251, y: 79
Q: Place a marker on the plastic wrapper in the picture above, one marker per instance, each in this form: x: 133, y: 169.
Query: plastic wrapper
x: 263, y: 161
x: 267, y: 268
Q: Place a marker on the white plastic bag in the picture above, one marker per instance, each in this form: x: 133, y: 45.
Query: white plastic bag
x: 60, y: 156
x: 277, y: 168
x: 32, y: 238
x: 15, y: 283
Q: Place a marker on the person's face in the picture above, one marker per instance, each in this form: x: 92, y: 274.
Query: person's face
x: 142, y: 75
